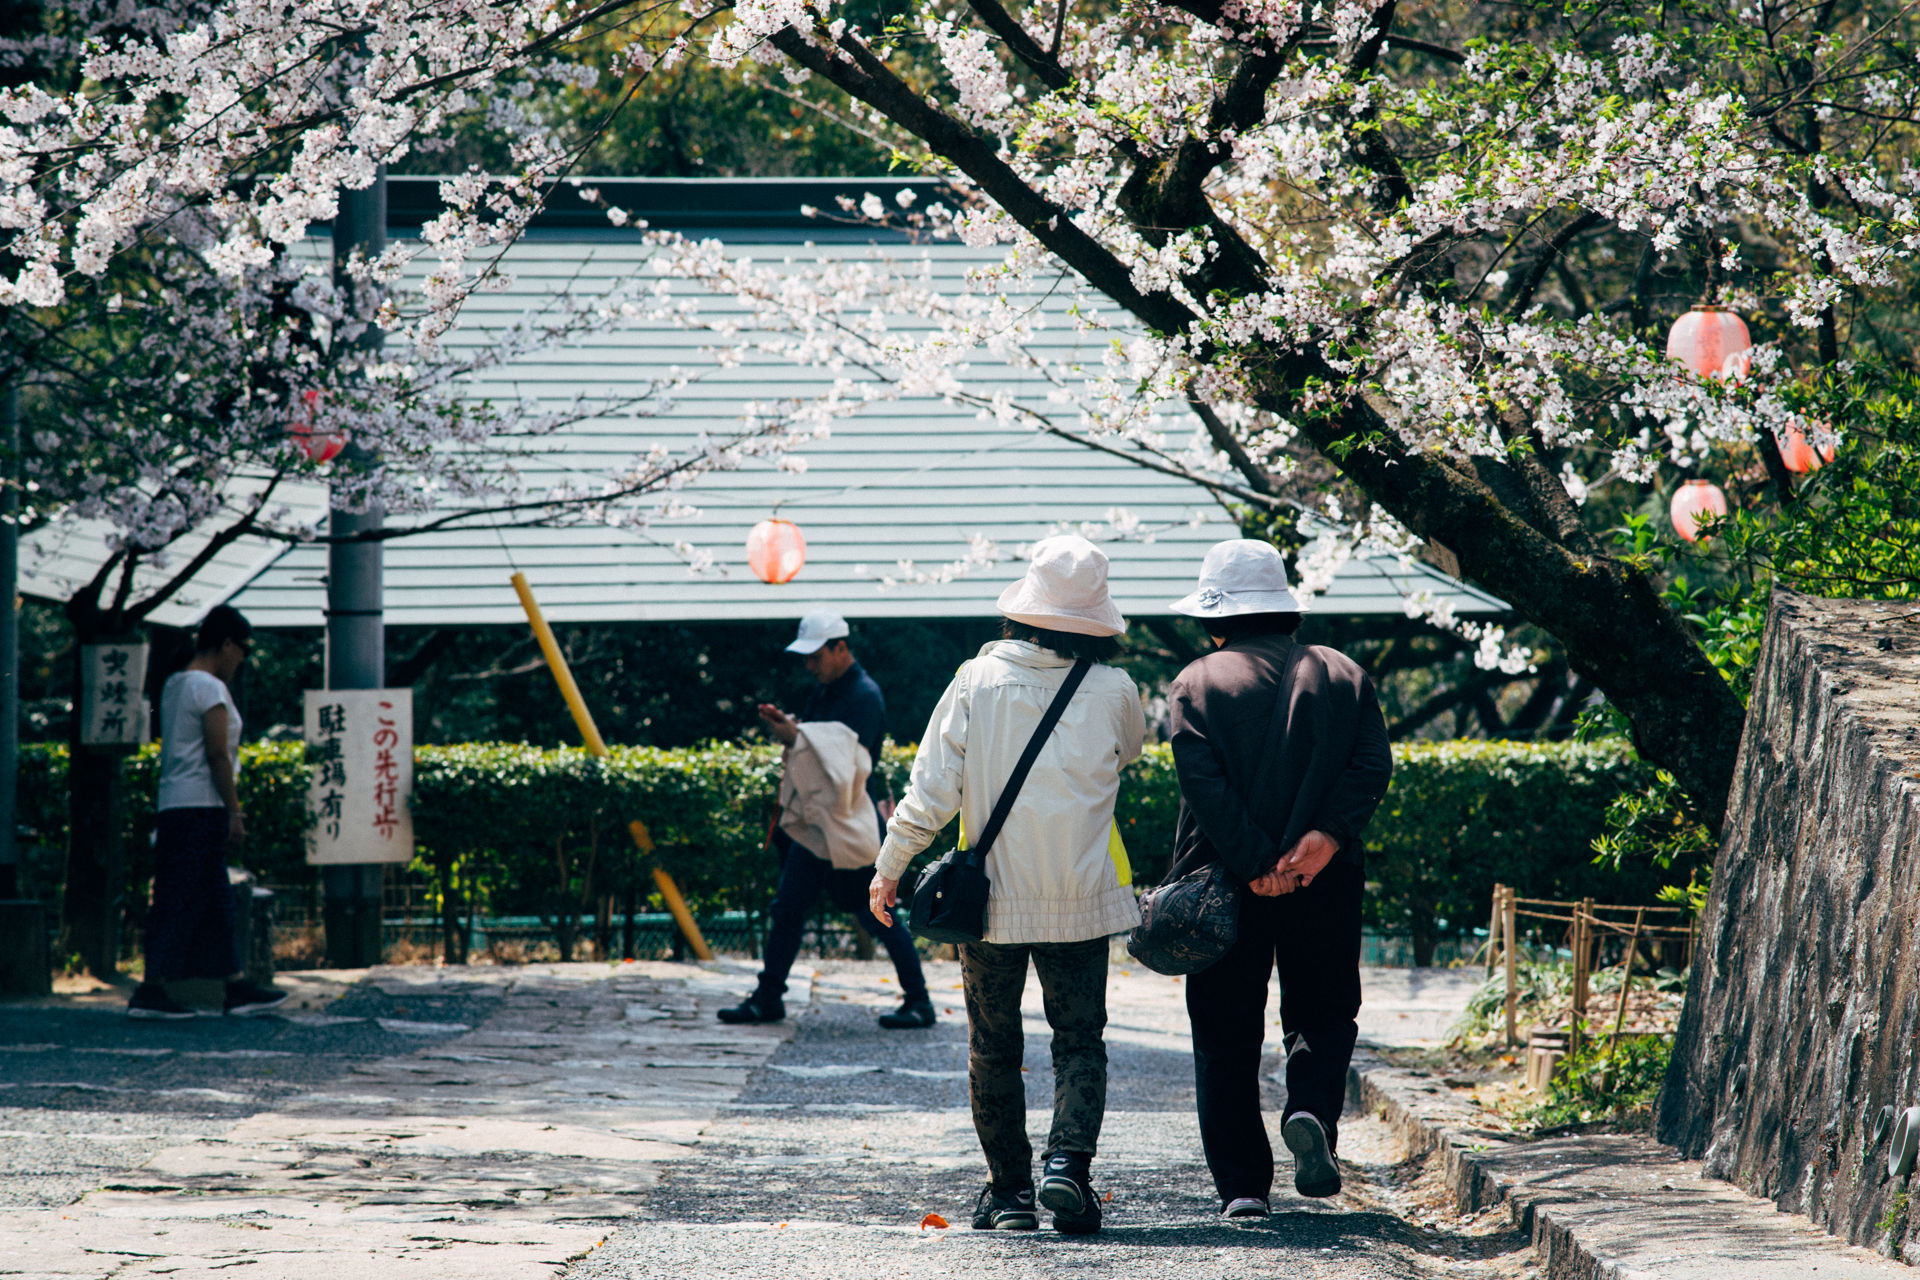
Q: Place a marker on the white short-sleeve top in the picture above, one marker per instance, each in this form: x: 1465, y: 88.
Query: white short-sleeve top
x: 186, y: 780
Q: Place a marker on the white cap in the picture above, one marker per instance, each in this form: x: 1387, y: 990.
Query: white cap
x: 816, y: 629
x: 1240, y: 576
x: 1065, y: 590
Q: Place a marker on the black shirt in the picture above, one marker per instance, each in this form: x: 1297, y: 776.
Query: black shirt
x: 855, y: 701
x: 1272, y: 740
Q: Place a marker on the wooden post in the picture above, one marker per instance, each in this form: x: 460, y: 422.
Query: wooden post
x: 596, y: 746
x: 1620, y: 1013
x: 1577, y: 998
x: 1513, y: 987
x: 1493, y: 929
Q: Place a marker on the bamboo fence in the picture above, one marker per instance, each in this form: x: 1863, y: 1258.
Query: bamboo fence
x: 1589, y: 924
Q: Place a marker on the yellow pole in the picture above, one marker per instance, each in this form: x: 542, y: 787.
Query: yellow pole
x: 596, y: 745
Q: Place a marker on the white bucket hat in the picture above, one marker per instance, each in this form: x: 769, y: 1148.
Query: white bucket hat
x: 1240, y: 576
x: 816, y: 629
x: 1065, y: 590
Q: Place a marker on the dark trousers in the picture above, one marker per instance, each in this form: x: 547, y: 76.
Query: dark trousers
x: 802, y: 879
x: 190, y: 930
x: 1313, y: 937
x: 1073, y: 985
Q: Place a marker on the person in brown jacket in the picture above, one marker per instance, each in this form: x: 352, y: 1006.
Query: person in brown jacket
x: 1281, y: 752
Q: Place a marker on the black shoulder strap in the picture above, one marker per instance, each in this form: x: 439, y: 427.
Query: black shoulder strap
x: 1004, y: 805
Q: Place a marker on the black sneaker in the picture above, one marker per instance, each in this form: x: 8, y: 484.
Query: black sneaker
x: 1005, y: 1210
x: 755, y: 1008
x: 910, y: 1015
x: 1315, y: 1172
x: 245, y: 1000
x: 152, y: 1001
x: 1065, y: 1190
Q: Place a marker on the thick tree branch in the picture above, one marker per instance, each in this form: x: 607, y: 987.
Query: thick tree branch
x: 1003, y: 24
x: 865, y: 78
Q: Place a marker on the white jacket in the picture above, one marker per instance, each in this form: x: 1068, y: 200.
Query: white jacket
x: 1056, y: 867
x: 823, y: 795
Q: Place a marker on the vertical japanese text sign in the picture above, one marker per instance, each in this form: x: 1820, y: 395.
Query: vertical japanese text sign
x: 360, y: 757
x: 113, y: 708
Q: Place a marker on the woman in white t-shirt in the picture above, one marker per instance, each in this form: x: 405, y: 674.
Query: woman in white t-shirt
x: 190, y: 926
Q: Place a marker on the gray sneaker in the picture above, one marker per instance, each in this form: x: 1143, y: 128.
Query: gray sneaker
x: 1315, y: 1172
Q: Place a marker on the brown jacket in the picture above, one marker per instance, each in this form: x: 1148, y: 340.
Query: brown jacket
x: 1271, y: 740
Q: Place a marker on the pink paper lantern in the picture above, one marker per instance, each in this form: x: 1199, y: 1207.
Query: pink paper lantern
x: 1799, y: 455
x: 317, y: 445
x: 1693, y: 502
x: 776, y: 550
x: 1705, y: 338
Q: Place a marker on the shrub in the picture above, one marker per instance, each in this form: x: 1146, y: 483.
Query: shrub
x: 531, y: 830
x: 1464, y: 816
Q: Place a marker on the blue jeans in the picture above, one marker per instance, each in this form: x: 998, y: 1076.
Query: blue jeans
x: 802, y: 877
x: 190, y: 926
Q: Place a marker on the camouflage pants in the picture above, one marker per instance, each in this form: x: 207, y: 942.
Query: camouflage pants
x: 1073, y: 982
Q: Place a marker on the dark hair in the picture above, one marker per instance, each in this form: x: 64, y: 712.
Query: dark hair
x: 1248, y: 625
x: 1065, y: 643
x: 222, y: 623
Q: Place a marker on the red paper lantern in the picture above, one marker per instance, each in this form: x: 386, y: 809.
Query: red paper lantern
x: 776, y: 550
x: 1693, y: 502
x: 317, y: 445
x: 1800, y: 456
x: 1704, y: 339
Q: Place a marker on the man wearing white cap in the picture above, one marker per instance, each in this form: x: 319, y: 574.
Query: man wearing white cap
x: 844, y: 693
x: 1281, y: 753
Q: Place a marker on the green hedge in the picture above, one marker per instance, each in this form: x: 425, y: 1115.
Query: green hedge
x: 526, y: 830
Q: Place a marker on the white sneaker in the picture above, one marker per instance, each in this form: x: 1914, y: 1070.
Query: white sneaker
x: 1246, y: 1207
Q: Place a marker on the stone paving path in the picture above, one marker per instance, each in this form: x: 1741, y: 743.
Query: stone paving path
x: 426, y: 1123
x: 828, y: 1160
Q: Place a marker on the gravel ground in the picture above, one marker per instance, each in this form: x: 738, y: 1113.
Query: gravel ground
x: 826, y: 1164
x: 88, y: 1095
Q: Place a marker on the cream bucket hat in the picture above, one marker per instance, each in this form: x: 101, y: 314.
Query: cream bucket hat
x: 1065, y: 590
x: 1240, y: 576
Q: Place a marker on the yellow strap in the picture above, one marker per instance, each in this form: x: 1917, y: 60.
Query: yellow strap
x: 1117, y: 850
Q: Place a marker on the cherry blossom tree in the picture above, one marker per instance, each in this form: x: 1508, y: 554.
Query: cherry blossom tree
x: 1437, y: 248
x: 1424, y: 254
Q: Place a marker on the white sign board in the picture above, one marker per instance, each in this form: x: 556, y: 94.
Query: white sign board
x: 360, y: 786
x: 113, y: 708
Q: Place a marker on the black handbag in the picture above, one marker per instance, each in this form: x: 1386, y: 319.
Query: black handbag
x: 1187, y: 924
x: 950, y: 898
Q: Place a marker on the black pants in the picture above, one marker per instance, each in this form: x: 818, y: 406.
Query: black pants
x: 190, y: 924
x: 1073, y: 987
x: 1313, y: 936
x: 803, y: 878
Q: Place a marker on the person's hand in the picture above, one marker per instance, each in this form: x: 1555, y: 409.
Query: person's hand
x: 881, y: 895
x: 1272, y: 884
x: 779, y: 723
x: 1308, y: 858
x: 236, y: 828
x: 886, y: 811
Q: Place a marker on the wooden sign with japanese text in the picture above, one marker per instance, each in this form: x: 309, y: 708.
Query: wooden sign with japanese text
x: 113, y: 708
x: 360, y: 783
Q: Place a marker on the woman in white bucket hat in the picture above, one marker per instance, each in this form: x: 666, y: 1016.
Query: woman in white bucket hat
x: 1061, y: 886
x: 1281, y: 752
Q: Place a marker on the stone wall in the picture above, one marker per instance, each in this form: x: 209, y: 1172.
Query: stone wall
x: 1803, y: 1019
